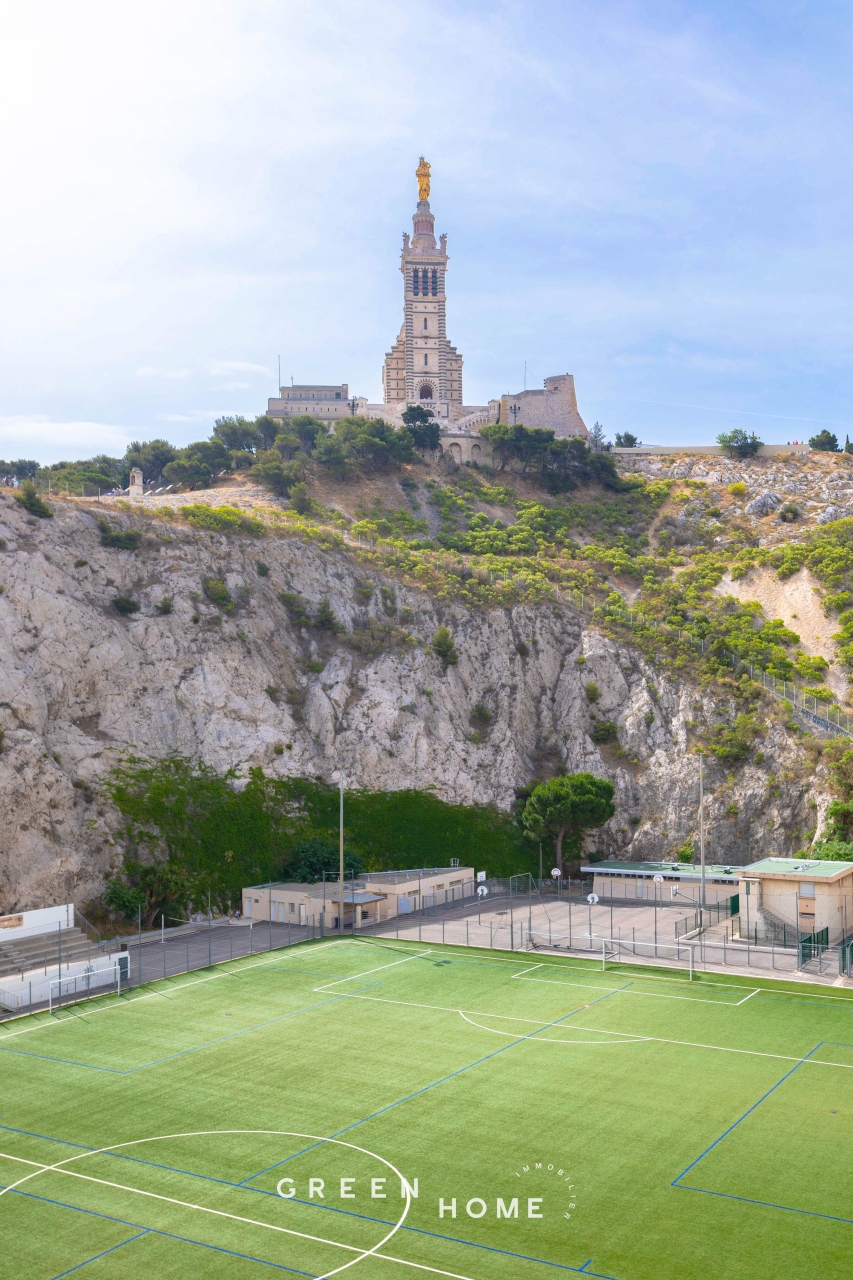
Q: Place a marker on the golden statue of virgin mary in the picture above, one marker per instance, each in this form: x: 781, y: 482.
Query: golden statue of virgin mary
x: 422, y: 173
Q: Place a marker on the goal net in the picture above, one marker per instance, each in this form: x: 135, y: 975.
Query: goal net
x: 615, y: 950
x: 93, y: 981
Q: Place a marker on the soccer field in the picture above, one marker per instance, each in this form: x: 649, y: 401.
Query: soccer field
x: 393, y: 1110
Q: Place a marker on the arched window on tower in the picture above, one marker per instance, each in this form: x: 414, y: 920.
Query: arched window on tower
x: 434, y: 283
x: 416, y: 277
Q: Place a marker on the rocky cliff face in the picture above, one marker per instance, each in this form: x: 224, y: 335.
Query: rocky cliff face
x: 80, y: 684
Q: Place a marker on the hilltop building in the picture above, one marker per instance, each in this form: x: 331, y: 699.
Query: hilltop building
x: 555, y: 407
x: 424, y: 368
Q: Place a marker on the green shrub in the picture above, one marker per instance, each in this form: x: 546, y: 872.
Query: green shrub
x: 522, y: 649
x: 593, y: 692
x: 605, y: 731
x: 125, y: 606
x: 30, y: 501
x: 222, y: 519
x: 738, y: 444
x: 443, y: 647
x: 737, y: 489
x: 686, y: 852
x: 481, y: 717
x: 216, y: 591
x: 262, y: 569
x: 80, y: 564
x: 279, y: 748
x: 789, y: 513
x: 325, y: 620
x: 165, y: 606
x: 300, y: 501
x: 733, y: 743
x: 121, y: 539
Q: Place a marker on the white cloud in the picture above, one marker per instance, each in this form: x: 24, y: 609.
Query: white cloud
x: 35, y: 437
x: 234, y: 175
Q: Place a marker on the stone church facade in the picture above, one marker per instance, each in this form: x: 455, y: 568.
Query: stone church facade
x: 423, y: 367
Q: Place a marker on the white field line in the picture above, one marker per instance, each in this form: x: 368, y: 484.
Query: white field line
x: 805, y: 992
x: 354, y: 977
x: 517, y: 1035
x: 687, y: 1044
x: 221, y: 1213
x: 651, y: 995
x: 290, y: 953
x: 60, y: 1167
x: 529, y: 969
x: 749, y: 997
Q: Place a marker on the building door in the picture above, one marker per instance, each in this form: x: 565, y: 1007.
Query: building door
x: 303, y: 919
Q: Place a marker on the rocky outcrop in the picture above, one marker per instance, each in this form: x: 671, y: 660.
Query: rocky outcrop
x: 80, y: 684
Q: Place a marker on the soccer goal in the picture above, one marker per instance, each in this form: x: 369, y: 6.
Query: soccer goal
x: 91, y: 982
x: 617, y: 950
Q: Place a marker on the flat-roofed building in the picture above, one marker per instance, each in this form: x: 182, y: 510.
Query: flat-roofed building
x: 326, y: 402
x: 373, y: 897
x: 662, y: 882
x: 804, y: 896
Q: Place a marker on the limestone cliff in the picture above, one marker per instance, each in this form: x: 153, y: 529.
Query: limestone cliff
x: 80, y: 684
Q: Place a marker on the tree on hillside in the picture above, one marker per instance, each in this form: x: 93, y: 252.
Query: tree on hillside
x: 824, y: 442
x: 237, y: 434
x: 189, y: 471
x: 563, y: 808
x: 597, y: 441
x: 24, y: 468
x: 270, y: 470
x: 627, y: 440
x: 738, y: 444
x: 424, y: 430
x: 312, y: 857
x: 153, y: 456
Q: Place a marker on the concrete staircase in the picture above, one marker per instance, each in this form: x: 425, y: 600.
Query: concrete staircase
x: 42, y: 949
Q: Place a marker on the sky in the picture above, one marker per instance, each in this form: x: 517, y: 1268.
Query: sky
x: 653, y: 196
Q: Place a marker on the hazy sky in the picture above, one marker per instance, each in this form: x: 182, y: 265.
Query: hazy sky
x: 655, y: 197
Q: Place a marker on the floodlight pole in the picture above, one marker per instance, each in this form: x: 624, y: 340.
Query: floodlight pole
x: 702, y: 828
x: 341, y: 855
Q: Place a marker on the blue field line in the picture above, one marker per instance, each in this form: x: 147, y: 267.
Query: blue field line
x: 156, y: 1062
x: 168, y: 1235
x: 426, y: 1088
x: 102, y: 1254
x: 308, y: 1204
x: 749, y: 1111
x: 769, y: 1204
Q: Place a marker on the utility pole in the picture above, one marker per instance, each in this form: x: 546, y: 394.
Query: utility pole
x: 341, y: 852
x: 702, y: 828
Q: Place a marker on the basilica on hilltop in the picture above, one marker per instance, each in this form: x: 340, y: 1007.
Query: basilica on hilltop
x: 423, y: 367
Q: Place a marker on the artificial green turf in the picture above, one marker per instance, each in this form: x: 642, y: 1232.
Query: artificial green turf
x: 664, y: 1129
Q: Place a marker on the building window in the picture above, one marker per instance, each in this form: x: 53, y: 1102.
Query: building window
x: 292, y: 908
x: 425, y: 324
x: 426, y: 362
x: 416, y: 277
x: 434, y: 283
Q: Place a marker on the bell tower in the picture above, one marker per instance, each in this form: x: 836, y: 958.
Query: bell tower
x: 422, y: 367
